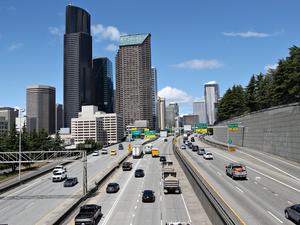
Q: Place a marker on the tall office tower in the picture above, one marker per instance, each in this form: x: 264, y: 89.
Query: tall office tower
x: 154, y: 98
x: 199, y: 109
x: 9, y: 115
x: 133, y: 79
x: 172, y: 111
x: 40, y: 108
x: 104, y: 90
x: 211, y: 93
x: 59, y: 117
x: 78, y: 79
x: 161, y: 109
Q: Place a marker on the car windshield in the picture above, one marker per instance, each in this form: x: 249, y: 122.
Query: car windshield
x: 208, y: 153
x: 139, y: 171
x: 148, y: 192
x: 57, y: 173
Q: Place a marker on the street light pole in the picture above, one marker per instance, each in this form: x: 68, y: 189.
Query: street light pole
x: 20, y: 141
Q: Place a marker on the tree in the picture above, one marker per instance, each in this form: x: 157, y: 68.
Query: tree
x: 251, y: 101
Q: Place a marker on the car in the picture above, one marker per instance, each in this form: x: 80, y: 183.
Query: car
x: 121, y: 147
x: 139, y: 173
x: 112, y: 188
x: 190, y: 145
x: 208, y: 155
x: 126, y: 166
x: 195, y: 148
x: 58, y: 168
x: 104, y: 151
x: 201, y: 151
x: 148, y: 149
x: 182, y: 147
x: 162, y: 158
x: 70, y: 182
x: 88, y: 214
x: 113, y: 152
x: 148, y: 196
x: 95, y: 153
x: 236, y: 170
x: 59, y: 175
x: 192, y: 139
x: 293, y: 213
x: 165, y: 140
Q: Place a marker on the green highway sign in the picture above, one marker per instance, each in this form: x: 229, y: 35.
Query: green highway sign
x: 233, y: 126
x: 201, y: 125
x: 136, y: 132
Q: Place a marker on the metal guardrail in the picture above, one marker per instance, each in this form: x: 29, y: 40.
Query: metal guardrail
x: 215, y: 206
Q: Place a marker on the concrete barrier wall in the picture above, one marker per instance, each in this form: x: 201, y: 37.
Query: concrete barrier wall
x: 275, y: 130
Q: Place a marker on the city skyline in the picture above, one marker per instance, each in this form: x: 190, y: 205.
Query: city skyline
x: 237, y: 50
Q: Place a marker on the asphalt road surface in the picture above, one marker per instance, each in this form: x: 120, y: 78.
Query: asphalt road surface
x: 41, y: 201
x: 273, y: 183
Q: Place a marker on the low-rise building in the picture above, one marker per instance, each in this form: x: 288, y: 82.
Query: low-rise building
x: 106, y: 128
x: 3, y: 126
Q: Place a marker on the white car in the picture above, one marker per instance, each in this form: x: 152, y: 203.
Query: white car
x: 183, y: 147
x: 104, y: 151
x: 95, y: 153
x: 208, y: 155
x: 59, y: 175
x: 58, y: 168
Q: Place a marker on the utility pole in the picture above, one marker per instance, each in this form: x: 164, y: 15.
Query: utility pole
x: 84, y: 162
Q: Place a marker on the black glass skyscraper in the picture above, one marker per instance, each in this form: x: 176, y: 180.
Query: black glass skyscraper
x: 104, y: 93
x: 78, y: 81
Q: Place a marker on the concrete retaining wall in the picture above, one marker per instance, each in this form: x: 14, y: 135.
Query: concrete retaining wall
x: 275, y: 130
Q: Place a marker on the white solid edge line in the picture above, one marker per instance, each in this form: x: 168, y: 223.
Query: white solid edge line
x: 274, y: 216
x: 186, y: 209
x: 295, y: 189
x: 272, y: 166
x: 107, y: 217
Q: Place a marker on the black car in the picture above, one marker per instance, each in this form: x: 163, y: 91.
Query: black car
x: 148, y: 196
x: 165, y: 140
x: 162, y: 158
x: 192, y: 139
x: 195, y: 148
x: 293, y: 213
x: 126, y: 166
x: 121, y: 147
x: 139, y: 173
x: 190, y: 145
x: 70, y: 182
x: 112, y: 188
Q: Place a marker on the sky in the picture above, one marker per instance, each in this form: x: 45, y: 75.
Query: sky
x: 192, y: 41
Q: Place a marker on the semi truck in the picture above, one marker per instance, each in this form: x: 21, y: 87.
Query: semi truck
x: 170, y: 181
x: 137, y: 151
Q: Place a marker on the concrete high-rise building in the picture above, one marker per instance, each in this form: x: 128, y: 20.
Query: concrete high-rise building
x: 3, y: 126
x: 59, y: 117
x: 161, y: 108
x: 154, y: 98
x: 104, y: 90
x: 211, y: 94
x: 9, y: 114
x: 78, y: 79
x: 40, y: 108
x: 172, y: 111
x: 200, y: 110
x: 134, y: 79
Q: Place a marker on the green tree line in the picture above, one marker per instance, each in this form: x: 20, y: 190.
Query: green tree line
x: 276, y: 87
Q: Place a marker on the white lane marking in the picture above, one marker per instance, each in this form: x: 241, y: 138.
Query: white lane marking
x: 160, y: 198
x: 239, y: 189
x: 265, y: 188
x: 135, y: 207
x: 290, y: 203
x: 273, y: 166
x: 219, y: 173
x: 133, y: 215
x: 255, y: 182
x: 275, y: 194
x: 274, y: 216
x: 265, y: 175
x: 119, y: 197
x: 186, y: 209
x: 257, y: 178
x: 137, y: 200
x: 29, y: 205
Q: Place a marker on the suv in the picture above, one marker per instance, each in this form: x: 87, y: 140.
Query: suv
x: 70, y: 182
x: 112, y: 188
x: 236, y: 170
x: 139, y: 173
x: 126, y: 166
x: 195, y: 148
x: 59, y: 175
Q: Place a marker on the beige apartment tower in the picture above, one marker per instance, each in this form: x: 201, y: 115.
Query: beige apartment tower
x: 134, y: 79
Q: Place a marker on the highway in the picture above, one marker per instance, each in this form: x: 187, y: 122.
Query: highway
x: 41, y: 201
x: 272, y: 183
x: 126, y: 206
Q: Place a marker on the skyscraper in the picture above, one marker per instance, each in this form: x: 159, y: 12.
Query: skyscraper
x: 199, y: 109
x: 161, y: 108
x: 104, y: 92
x: 133, y: 79
x: 9, y: 114
x: 40, y: 108
x: 78, y: 81
x: 172, y: 111
x: 154, y: 98
x: 59, y: 117
x: 211, y: 93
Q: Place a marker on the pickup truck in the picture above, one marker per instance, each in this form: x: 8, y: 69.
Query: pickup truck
x: 236, y: 170
x: 88, y: 215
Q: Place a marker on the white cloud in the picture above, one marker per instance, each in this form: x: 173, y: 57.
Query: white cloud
x: 175, y: 95
x: 57, y: 31
x: 101, y: 32
x: 15, y: 46
x: 111, y: 47
x: 271, y: 66
x: 247, y: 34
x: 199, y: 64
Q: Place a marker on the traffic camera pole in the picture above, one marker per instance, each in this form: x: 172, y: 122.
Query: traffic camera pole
x: 84, y: 162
